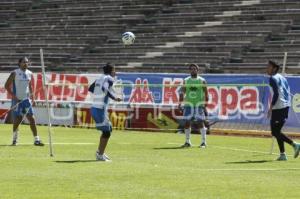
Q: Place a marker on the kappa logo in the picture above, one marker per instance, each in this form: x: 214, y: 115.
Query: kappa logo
x: 141, y: 92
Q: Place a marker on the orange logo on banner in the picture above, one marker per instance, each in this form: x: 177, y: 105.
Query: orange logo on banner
x: 171, y: 90
x: 84, y: 119
x: 66, y: 89
x: 118, y: 120
x: 141, y: 92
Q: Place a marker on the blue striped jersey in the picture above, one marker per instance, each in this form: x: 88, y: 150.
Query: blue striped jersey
x: 281, y: 92
x: 102, y: 90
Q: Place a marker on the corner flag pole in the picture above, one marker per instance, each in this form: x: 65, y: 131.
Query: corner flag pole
x: 283, y: 73
x: 284, y: 63
x: 47, y: 102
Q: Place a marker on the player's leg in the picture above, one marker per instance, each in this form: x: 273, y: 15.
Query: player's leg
x: 100, y: 155
x: 276, y: 127
x: 30, y: 117
x: 102, y: 124
x: 32, y: 123
x: 16, y: 122
x: 200, y: 118
x: 187, y: 132
x: 281, y: 138
x: 187, y: 116
x: 17, y: 119
x: 277, y: 122
x: 206, y: 122
x: 203, y: 131
x: 28, y: 110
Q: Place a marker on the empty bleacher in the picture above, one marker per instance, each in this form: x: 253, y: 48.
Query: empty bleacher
x: 220, y: 35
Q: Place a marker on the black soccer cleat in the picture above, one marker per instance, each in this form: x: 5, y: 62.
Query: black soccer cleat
x: 38, y: 143
x: 203, y: 145
x: 186, y: 145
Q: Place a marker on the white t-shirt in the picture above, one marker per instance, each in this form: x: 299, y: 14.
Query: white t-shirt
x: 103, y: 91
x: 21, y: 83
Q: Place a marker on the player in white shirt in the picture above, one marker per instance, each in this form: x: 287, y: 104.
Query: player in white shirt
x: 279, y: 109
x: 18, y: 85
x: 102, y: 91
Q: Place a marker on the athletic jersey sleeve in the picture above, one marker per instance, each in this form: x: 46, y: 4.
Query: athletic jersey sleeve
x: 30, y: 74
x: 92, y: 87
x: 107, y: 88
x: 202, y: 79
x: 275, y: 90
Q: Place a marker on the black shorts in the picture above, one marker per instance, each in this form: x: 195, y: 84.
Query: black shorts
x: 280, y: 115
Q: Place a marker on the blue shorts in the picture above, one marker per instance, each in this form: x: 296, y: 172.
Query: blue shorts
x: 22, y: 108
x: 101, y: 119
x: 191, y: 113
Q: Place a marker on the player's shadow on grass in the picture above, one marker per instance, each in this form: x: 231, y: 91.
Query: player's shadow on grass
x: 74, y: 161
x: 166, y: 148
x: 250, y: 162
x: 20, y: 145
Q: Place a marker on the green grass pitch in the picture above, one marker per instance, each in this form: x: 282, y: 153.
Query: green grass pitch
x: 145, y: 165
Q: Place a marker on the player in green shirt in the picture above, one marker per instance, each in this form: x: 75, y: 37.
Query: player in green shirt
x: 194, y: 96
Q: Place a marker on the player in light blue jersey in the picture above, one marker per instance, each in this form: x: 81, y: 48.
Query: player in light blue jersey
x: 18, y: 85
x: 102, y: 92
x: 279, y: 109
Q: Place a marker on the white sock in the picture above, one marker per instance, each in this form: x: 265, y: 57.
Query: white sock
x: 15, y: 135
x: 187, y: 135
x: 203, y: 134
x: 36, y: 138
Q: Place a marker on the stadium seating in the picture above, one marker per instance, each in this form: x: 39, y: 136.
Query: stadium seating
x: 220, y: 35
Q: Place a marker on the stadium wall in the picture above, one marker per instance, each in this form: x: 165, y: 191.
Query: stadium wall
x: 150, y: 100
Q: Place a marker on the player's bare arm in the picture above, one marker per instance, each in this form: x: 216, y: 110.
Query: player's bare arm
x: 8, y: 84
x: 206, y: 95
x: 181, y: 96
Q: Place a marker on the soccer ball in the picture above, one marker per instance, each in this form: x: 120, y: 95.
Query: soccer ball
x: 128, y: 38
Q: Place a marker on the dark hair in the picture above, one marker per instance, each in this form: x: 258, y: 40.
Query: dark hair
x: 275, y: 65
x: 194, y: 65
x: 21, y: 59
x: 107, y: 68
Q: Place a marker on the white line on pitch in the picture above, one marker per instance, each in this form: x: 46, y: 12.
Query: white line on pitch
x: 61, y: 143
x: 249, y: 169
x: 66, y: 143
x: 230, y: 148
x: 236, y: 149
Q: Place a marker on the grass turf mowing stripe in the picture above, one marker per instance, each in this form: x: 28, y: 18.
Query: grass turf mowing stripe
x: 232, y: 149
